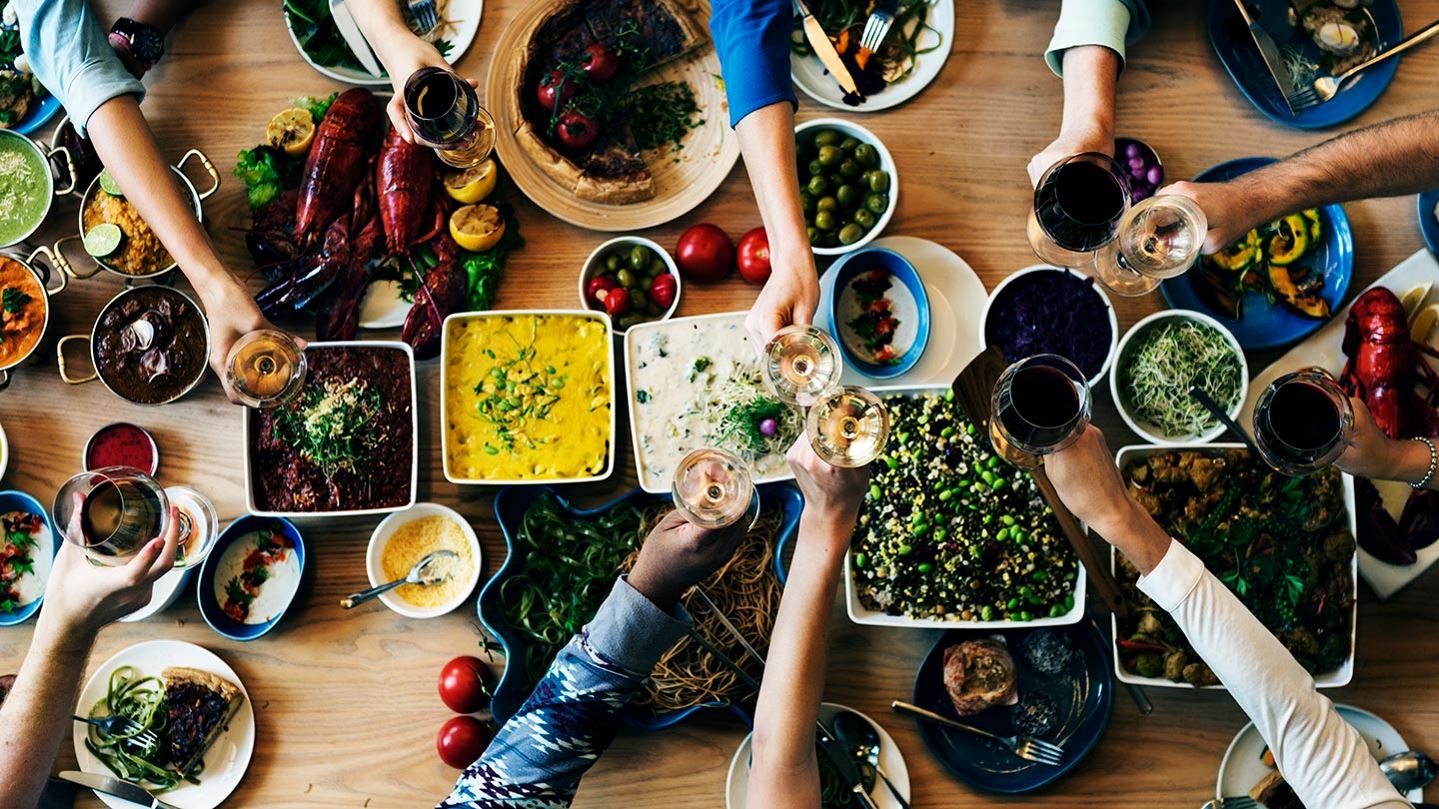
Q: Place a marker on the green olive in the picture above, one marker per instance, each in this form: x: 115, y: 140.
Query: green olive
x: 657, y: 266
x: 814, y: 169
x: 835, y: 179
x: 827, y: 137
x: 827, y: 204
x: 867, y: 155
x: 639, y: 258
x: 849, y: 144
x: 812, y: 233
x: 864, y: 218
x: 818, y: 186
x: 829, y: 240
x: 806, y: 200
x: 612, y: 262
x: 851, y: 233
x: 848, y: 196
x: 625, y: 278
x: 849, y: 168
x: 879, y: 181
x: 877, y: 203
x: 830, y: 156
x: 824, y: 220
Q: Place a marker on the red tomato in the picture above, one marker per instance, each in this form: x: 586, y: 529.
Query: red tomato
x: 577, y: 130
x: 597, y: 288
x: 662, y: 290
x: 462, y: 740
x: 754, y: 256
x: 617, y: 301
x: 555, y: 89
x: 705, y: 253
x: 600, y: 63
x: 465, y: 684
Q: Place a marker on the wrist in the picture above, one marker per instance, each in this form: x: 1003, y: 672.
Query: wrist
x: 63, y: 633
x: 656, y: 588
x: 1408, y: 461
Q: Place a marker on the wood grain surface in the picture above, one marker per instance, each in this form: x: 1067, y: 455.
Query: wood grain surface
x: 345, y: 702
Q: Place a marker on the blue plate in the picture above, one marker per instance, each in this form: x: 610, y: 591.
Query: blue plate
x: 1083, y: 693
x: 1428, y: 223
x: 37, y: 116
x: 205, y: 588
x: 1265, y: 324
x: 876, y: 258
x: 511, y: 503
x: 12, y: 500
x: 1240, y: 56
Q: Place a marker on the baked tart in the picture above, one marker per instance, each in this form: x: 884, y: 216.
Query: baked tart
x: 199, y: 704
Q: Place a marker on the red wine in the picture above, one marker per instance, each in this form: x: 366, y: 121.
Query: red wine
x: 1042, y: 406
x: 1303, y: 416
x: 1079, y: 205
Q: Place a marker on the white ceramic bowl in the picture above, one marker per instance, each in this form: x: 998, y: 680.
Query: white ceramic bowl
x: 167, y: 589
x: 1098, y: 290
x: 592, y: 267
x: 1148, y: 431
x: 4, y: 451
x: 381, y: 538
x: 886, y: 162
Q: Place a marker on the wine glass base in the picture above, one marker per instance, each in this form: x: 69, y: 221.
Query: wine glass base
x: 1124, y: 283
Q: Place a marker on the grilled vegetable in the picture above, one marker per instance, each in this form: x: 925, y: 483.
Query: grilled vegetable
x: 1290, y: 240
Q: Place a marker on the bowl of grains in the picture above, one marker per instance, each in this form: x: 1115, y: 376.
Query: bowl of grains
x: 405, y: 537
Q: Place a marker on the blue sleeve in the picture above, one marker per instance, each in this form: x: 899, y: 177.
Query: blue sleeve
x: 71, y: 56
x: 752, y: 40
x: 538, y: 757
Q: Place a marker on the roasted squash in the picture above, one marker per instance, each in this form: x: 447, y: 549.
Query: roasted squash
x: 1290, y: 240
x: 1316, y: 225
x: 1241, y: 255
x: 1303, y: 299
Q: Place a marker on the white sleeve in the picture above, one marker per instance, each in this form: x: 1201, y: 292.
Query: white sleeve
x: 1320, y: 755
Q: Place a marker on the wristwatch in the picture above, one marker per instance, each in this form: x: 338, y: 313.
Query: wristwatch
x: 140, y: 43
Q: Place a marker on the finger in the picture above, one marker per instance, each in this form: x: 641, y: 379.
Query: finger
x: 396, y: 109
x: 170, y: 546
x: 137, y: 570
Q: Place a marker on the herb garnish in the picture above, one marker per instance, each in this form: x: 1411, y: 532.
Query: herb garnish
x: 516, y: 390
x: 19, y: 541
x: 330, y: 425
x: 14, y: 299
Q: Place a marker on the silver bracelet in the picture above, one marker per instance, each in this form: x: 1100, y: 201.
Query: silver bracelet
x: 1433, y: 464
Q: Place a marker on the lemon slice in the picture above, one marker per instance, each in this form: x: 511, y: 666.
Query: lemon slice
x: 1421, y: 326
x: 103, y: 239
x: 473, y: 184
x: 108, y: 185
x: 291, y: 129
x: 1414, y: 298
x: 477, y: 227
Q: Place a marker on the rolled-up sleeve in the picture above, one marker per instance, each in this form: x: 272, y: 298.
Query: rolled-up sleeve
x: 752, y: 40
x: 71, y: 56
x: 1114, y: 24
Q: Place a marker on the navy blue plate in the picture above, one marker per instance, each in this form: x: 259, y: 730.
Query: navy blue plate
x: 1084, y: 694
x: 13, y: 500
x: 1429, y: 219
x: 879, y: 258
x: 511, y: 503
x: 37, y: 116
x: 1240, y: 56
x: 1265, y: 324
x: 205, y: 587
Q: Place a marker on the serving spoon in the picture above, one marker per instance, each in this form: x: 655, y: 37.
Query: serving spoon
x: 1408, y: 770
x: 419, y: 575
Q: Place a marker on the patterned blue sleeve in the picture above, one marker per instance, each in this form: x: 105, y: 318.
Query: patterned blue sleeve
x: 72, y: 57
x: 752, y: 40
x: 538, y: 757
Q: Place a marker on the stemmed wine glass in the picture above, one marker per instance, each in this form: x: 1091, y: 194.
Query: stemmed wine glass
x: 801, y: 364
x: 846, y: 424
x: 111, y: 513
x: 445, y: 114
x: 1077, y: 207
x: 1040, y: 405
x: 1158, y: 238
x: 266, y: 368
x: 1303, y: 422
x: 713, y: 489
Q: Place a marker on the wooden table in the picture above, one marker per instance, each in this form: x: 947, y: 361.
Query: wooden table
x: 345, y: 703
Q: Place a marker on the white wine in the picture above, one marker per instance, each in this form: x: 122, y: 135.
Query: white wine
x: 801, y: 364
x: 849, y: 427
x: 712, y: 488
x: 1158, y: 238
x: 266, y: 368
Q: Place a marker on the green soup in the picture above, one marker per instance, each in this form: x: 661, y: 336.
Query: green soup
x: 24, y: 188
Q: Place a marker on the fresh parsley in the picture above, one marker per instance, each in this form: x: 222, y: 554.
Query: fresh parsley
x: 13, y: 299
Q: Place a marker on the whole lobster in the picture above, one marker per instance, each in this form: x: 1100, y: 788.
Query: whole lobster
x: 1386, y: 369
x: 337, y: 162
x: 405, y: 177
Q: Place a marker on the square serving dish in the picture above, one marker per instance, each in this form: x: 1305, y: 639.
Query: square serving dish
x: 1329, y: 679
x: 248, y: 417
x: 861, y: 614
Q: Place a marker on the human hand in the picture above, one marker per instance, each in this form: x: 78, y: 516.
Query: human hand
x: 81, y: 597
x: 678, y: 554
x: 403, y: 57
x: 1228, y: 211
x: 1087, y: 480
x: 790, y: 296
x: 831, y: 493
x: 232, y: 315
x: 1091, y: 137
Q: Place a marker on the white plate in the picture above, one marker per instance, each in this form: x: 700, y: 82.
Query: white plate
x: 1323, y: 348
x: 382, y: 307
x: 465, y: 15
x: 381, y: 538
x: 810, y: 76
x: 956, y: 302
x: 1331, y: 679
x: 891, y: 760
x: 1242, y: 769
x: 167, y: 589
x: 228, y: 758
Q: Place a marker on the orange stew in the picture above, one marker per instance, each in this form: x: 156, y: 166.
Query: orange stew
x: 22, y: 311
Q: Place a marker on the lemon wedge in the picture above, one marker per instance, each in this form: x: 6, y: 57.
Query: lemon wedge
x: 473, y: 184
x: 291, y: 129
x: 1414, y: 298
x: 1421, y: 326
x: 477, y: 227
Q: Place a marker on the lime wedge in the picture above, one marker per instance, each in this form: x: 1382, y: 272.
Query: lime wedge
x: 109, y: 186
x: 103, y: 239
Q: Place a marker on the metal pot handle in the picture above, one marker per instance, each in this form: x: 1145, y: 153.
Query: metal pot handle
x: 63, y: 264
x: 61, y: 151
x: 209, y: 169
x: 4, y: 380
x: 60, y: 357
x: 54, y: 266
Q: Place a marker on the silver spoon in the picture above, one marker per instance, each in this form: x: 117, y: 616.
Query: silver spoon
x: 860, y: 738
x: 1408, y: 770
x: 419, y: 575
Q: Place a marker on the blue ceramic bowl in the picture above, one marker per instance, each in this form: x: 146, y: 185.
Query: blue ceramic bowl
x: 1236, y: 50
x: 37, y: 116
x: 1265, y: 324
x: 1428, y: 223
x: 210, y: 608
x: 878, y: 258
x: 511, y: 503
x: 12, y: 500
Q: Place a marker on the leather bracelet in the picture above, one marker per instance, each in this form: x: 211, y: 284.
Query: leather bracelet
x: 1433, y: 464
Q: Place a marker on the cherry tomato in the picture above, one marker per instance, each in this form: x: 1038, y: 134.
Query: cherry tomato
x: 705, y: 253
x: 753, y: 256
x: 555, y: 89
x: 600, y: 63
x: 462, y: 740
x: 663, y: 289
x: 577, y: 130
x: 617, y: 301
x: 598, y: 287
x: 465, y: 684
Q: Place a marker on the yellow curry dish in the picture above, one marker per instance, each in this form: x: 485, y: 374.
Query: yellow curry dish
x: 22, y: 311
x: 527, y: 397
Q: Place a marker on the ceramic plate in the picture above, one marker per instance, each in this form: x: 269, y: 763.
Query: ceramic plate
x: 464, y: 15
x: 227, y: 760
x: 810, y: 75
x: 47, y: 545
x: 1429, y: 219
x: 217, y: 570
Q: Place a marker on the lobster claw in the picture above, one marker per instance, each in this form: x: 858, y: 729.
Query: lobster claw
x: 1420, y: 520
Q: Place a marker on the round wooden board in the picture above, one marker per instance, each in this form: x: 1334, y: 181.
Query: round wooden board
x: 684, y: 178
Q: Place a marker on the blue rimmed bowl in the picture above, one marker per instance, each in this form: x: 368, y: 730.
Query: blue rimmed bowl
x: 909, y: 302
x: 12, y: 500
x: 211, y: 569
x: 1429, y: 220
x: 511, y: 503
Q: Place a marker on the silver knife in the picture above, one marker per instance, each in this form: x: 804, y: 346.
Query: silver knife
x: 844, y: 765
x: 1270, y: 53
x: 824, y: 49
x: 350, y: 30
x: 116, y: 787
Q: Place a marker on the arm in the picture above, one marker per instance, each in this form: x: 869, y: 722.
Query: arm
x: 1388, y: 159
x: 1321, y: 756
x: 1376, y: 456
x: 399, y: 50
x: 783, y: 770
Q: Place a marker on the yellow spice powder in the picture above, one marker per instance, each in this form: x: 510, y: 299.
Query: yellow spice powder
x: 411, y: 542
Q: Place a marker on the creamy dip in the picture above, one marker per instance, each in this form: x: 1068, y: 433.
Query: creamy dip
x: 257, y: 598
x: 26, y: 541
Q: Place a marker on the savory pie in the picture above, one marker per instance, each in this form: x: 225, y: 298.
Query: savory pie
x: 610, y: 170
x: 199, y: 704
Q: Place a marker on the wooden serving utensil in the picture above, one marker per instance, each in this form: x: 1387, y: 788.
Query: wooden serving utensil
x: 973, y: 387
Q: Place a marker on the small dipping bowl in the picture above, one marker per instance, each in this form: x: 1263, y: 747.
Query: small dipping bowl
x: 1146, y: 172
x: 44, y: 556
x: 122, y: 444
x: 385, y: 531
x: 199, y: 527
x: 907, y: 296
x: 210, y: 608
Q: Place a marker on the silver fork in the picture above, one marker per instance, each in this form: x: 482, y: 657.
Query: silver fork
x: 876, y: 28
x: 1026, y: 747
x: 424, y: 13
x: 122, y: 726
x: 1326, y: 87
x: 1237, y: 802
